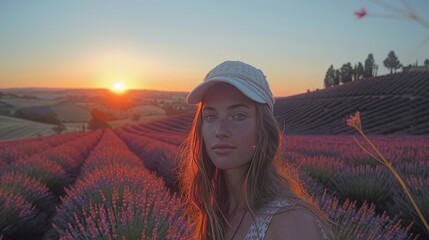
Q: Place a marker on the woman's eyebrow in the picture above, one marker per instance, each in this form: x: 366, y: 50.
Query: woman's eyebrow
x: 238, y: 105
x: 210, y: 108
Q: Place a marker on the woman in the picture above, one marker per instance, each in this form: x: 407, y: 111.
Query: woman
x: 230, y: 173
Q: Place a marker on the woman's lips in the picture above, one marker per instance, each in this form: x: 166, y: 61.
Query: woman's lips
x: 222, y: 149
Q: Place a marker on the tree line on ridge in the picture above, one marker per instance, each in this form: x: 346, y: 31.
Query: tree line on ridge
x: 348, y: 73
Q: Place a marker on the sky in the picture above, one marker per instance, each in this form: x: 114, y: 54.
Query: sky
x: 171, y: 45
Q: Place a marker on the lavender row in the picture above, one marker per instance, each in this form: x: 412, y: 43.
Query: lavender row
x: 348, y: 173
x: 171, y: 130
x: 116, y: 197
x: 13, y: 150
x: 158, y: 156
x: 30, y: 186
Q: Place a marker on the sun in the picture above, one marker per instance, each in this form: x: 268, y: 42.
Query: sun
x: 119, y: 87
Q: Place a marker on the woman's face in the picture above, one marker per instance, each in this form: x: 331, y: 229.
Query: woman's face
x: 228, y: 126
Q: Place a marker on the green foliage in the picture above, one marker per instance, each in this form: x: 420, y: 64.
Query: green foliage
x: 110, y: 215
x: 358, y: 71
x: 323, y: 175
x: 337, y: 76
x: 59, y: 128
x: 99, y: 120
x: 329, y: 78
x: 19, y: 218
x: 369, y: 66
x: 363, y: 161
x: 47, y: 172
x: 392, y: 62
x: 419, y: 188
x: 365, y: 184
x: 353, y: 223
x: 30, y: 189
x: 346, y: 73
x: 172, y: 110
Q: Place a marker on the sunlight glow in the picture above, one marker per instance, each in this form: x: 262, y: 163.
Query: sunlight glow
x: 119, y: 87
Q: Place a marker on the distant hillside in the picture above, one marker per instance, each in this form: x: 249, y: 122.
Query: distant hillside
x: 390, y: 104
x: 68, y: 111
x: 15, y: 128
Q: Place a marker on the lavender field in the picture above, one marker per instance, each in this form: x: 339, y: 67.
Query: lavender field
x: 121, y: 184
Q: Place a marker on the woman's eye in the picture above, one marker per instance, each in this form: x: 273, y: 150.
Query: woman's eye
x: 209, y: 117
x: 239, y: 116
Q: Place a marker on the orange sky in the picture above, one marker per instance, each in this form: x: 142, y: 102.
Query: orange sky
x: 163, y: 83
x: 101, y: 68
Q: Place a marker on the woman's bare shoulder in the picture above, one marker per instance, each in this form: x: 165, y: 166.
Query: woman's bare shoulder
x: 294, y: 223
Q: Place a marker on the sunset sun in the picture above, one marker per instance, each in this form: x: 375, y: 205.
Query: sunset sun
x: 119, y: 87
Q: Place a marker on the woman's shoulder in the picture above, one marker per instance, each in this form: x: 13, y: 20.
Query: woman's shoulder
x: 294, y: 223
x: 285, y: 218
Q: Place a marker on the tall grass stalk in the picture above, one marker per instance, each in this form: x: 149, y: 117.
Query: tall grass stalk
x: 355, y: 122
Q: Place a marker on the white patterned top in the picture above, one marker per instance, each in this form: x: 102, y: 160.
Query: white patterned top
x: 260, y: 225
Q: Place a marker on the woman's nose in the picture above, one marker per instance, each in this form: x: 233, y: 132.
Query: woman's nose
x: 222, y: 130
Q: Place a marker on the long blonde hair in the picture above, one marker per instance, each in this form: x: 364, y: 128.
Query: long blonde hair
x: 204, y: 187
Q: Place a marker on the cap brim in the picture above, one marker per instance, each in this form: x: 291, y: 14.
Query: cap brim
x: 197, y: 95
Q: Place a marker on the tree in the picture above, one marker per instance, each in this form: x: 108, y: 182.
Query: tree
x: 427, y: 62
x: 392, y: 62
x: 359, y: 71
x: 98, y: 120
x: 337, y: 76
x: 171, y: 110
x: 346, y: 73
x: 369, y: 65
x: 329, y: 78
x: 59, y: 128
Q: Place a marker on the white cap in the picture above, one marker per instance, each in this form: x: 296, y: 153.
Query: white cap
x: 246, y: 78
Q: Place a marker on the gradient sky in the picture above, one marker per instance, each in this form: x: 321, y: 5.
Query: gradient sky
x: 166, y: 45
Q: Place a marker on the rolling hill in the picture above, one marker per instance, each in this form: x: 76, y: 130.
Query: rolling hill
x: 390, y: 104
x: 12, y: 128
x: 15, y: 128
